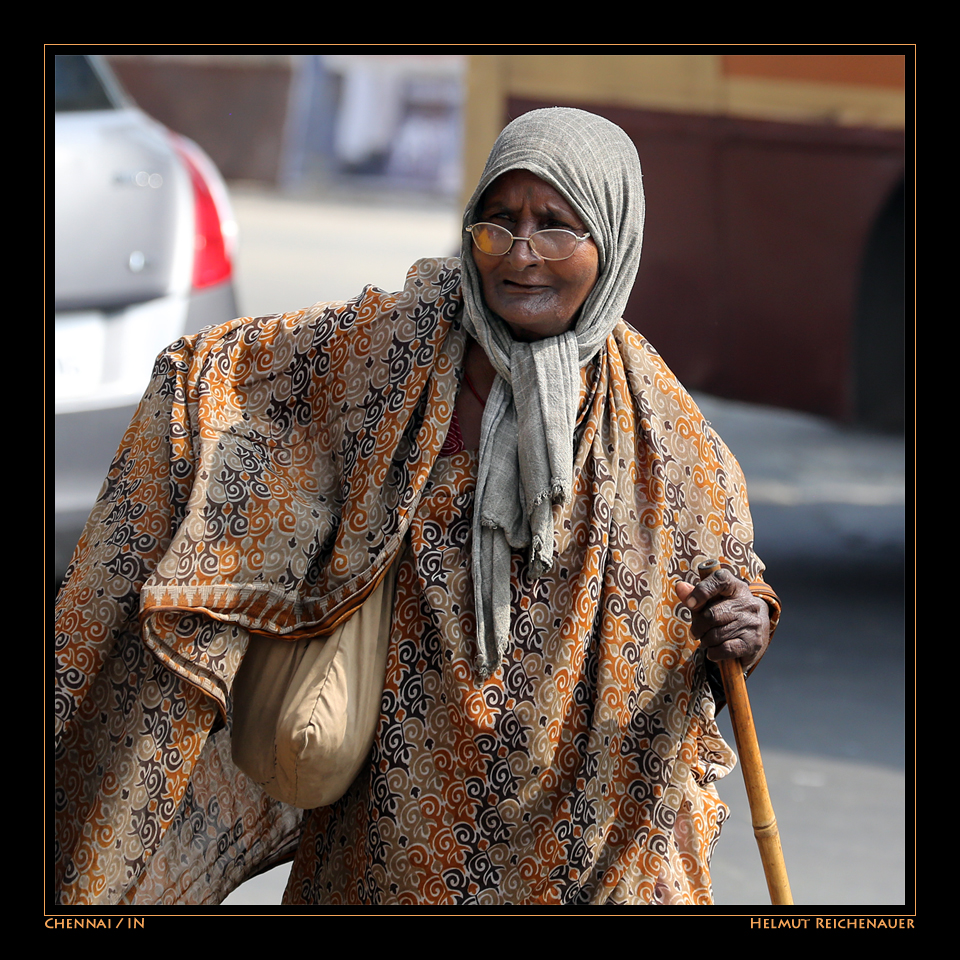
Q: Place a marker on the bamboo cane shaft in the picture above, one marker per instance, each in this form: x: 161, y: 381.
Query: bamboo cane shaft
x: 751, y: 763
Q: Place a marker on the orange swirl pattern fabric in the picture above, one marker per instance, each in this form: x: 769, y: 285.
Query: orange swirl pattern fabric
x: 265, y: 485
x: 275, y: 468
x: 583, y: 770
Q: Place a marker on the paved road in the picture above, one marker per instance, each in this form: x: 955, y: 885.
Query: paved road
x: 828, y: 506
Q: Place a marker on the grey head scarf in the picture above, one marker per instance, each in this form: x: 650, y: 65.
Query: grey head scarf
x: 527, y: 432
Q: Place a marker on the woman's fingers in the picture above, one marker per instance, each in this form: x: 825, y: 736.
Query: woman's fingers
x: 726, y: 617
x: 683, y: 589
x: 720, y: 583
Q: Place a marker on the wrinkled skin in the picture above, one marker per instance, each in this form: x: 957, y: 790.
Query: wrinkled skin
x: 727, y: 618
x: 535, y: 298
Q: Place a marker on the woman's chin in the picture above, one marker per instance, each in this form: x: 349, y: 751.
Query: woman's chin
x: 527, y: 328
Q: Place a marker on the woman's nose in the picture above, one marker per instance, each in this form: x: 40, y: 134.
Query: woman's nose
x: 522, y: 251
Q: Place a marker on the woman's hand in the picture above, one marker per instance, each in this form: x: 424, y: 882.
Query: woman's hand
x: 727, y: 618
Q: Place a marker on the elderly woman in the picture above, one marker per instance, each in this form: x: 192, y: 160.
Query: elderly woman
x: 542, y: 489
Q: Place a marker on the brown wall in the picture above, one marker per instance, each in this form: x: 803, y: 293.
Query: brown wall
x: 868, y: 70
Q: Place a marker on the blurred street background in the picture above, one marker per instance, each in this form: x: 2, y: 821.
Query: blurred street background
x: 772, y: 281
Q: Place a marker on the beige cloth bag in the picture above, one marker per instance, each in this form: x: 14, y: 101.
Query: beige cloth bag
x: 305, y: 712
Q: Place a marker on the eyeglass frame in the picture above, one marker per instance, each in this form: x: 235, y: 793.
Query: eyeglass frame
x: 533, y: 249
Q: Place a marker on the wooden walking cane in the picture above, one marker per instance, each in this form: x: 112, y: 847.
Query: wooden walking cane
x: 761, y: 810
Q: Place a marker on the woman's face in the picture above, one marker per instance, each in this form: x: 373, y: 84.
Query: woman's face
x: 535, y: 298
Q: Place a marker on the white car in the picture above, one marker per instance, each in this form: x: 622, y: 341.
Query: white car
x: 144, y: 246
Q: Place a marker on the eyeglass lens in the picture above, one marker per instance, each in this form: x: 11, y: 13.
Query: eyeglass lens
x: 546, y: 244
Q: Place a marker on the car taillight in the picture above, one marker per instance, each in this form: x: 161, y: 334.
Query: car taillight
x: 211, y: 258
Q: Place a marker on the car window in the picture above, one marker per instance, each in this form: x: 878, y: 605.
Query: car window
x: 77, y: 86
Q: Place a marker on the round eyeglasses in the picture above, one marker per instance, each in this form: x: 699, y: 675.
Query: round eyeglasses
x: 545, y: 244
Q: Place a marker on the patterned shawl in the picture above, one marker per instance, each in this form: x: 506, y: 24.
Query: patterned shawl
x: 268, y: 479
x: 527, y: 434
x: 265, y: 485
